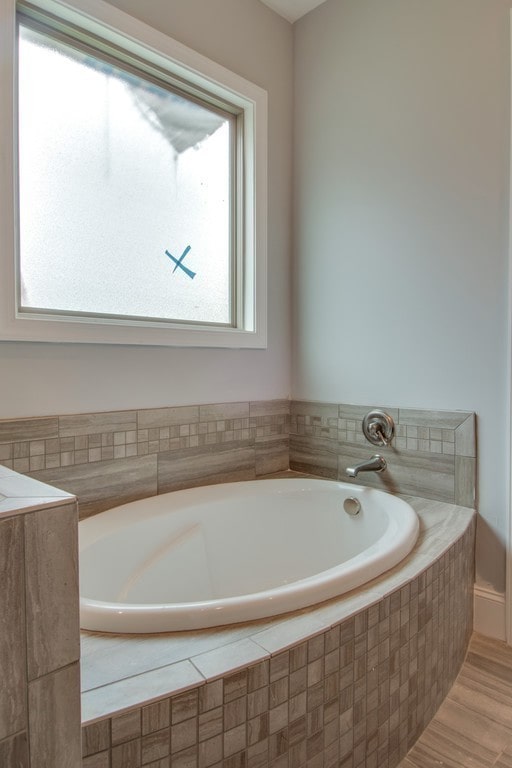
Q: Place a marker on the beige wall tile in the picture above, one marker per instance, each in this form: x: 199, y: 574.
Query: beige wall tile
x: 51, y: 577
x: 309, y: 408
x: 465, y: 437
x: 99, y: 760
x: 167, y: 417
x: 358, y: 412
x: 156, y: 716
x: 313, y: 455
x: 429, y: 475
x: 28, y: 429
x: 433, y: 419
x: 271, y: 456
x: 14, y: 751
x: 127, y: 726
x: 465, y: 481
x: 97, y: 423
x: 156, y: 746
x: 101, y: 485
x: 127, y: 755
x: 221, y: 411
x: 54, y: 719
x: 95, y: 737
x: 269, y: 408
x: 202, y: 467
x: 12, y: 629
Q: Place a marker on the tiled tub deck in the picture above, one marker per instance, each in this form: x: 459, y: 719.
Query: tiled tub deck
x: 352, y: 682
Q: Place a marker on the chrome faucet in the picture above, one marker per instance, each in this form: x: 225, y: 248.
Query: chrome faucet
x: 375, y: 464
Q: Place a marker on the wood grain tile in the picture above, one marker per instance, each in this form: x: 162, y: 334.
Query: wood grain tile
x: 99, y: 760
x: 271, y: 456
x: 154, y: 418
x: 505, y: 759
x: 316, y: 456
x: 269, y: 408
x: 358, y: 412
x: 28, y: 429
x: 54, y: 719
x: 465, y: 438
x: 439, y: 419
x: 473, y: 727
x: 306, y: 408
x: 465, y: 481
x: 51, y: 577
x: 484, y: 650
x: 95, y: 738
x: 97, y: 423
x: 419, y: 474
x: 126, y: 726
x: 12, y: 629
x: 103, y: 484
x: 474, y: 691
x: 14, y: 751
x: 483, y: 734
x: 194, y: 467
x: 221, y: 411
x: 437, y: 748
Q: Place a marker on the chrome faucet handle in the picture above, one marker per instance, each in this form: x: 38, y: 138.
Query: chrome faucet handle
x: 377, y: 434
x: 378, y: 427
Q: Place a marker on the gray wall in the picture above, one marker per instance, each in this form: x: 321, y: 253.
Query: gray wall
x: 45, y: 379
x: 402, y: 168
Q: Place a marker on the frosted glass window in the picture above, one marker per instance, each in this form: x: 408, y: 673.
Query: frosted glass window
x: 125, y: 191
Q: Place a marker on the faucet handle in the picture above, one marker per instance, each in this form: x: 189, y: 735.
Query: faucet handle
x: 378, y: 427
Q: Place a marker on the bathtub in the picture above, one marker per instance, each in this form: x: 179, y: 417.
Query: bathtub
x: 237, y: 552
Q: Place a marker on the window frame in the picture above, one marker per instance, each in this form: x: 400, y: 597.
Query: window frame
x: 183, y: 64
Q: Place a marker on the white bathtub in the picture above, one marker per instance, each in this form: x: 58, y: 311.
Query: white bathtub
x: 235, y: 552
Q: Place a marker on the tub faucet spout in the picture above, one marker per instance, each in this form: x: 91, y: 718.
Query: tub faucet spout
x: 375, y: 464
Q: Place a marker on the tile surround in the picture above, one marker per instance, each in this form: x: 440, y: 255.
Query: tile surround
x: 120, y: 456
x: 433, y: 453
x: 295, y: 707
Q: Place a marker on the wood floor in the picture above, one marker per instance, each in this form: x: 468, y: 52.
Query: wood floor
x: 473, y: 727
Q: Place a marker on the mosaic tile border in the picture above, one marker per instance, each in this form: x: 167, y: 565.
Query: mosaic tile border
x: 408, y: 436
x: 31, y: 445
x: 357, y: 695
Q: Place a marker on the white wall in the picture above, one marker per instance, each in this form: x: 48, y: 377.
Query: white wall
x: 402, y: 166
x: 40, y: 379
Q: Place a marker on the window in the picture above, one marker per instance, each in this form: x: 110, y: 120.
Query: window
x: 138, y: 191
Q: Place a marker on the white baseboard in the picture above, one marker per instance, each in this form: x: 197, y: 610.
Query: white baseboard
x: 489, y: 613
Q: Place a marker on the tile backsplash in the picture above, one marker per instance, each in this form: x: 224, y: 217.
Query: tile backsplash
x: 433, y: 453
x: 119, y: 456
